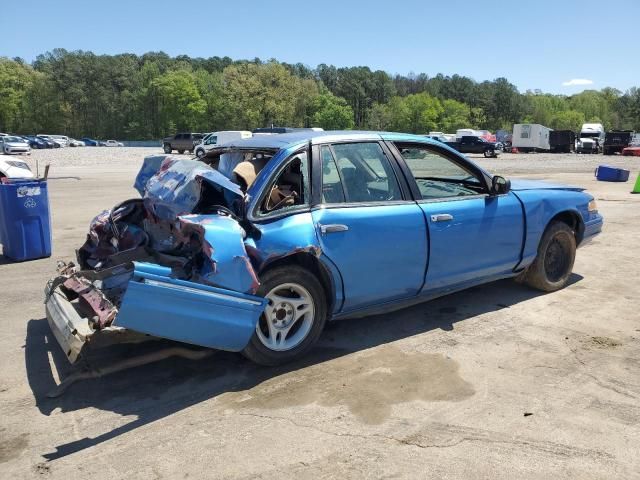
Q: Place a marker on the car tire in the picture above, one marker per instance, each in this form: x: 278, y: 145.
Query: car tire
x: 307, y: 294
x: 167, y: 148
x: 489, y: 153
x: 200, y: 152
x: 180, y: 152
x: 551, y: 269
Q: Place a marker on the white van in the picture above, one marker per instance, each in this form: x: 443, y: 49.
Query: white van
x: 219, y: 138
x: 531, y: 137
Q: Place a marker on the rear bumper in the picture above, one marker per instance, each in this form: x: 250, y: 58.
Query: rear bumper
x: 70, y: 329
x: 154, y: 304
x: 592, y: 228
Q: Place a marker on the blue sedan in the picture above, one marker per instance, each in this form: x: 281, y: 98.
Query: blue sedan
x: 257, y: 247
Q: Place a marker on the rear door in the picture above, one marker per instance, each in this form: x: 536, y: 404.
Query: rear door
x: 472, y: 235
x: 367, y: 224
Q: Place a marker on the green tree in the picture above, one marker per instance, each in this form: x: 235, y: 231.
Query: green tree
x: 180, y: 100
x: 454, y: 115
x: 331, y: 112
x: 567, y: 120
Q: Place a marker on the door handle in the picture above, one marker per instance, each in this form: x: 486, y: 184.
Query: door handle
x: 332, y: 228
x: 441, y: 217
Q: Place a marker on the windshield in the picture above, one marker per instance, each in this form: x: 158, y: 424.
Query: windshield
x: 13, y: 139
x: 590, y: 135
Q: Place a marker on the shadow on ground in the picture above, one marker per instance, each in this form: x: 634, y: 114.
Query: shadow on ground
x: 157, y: 390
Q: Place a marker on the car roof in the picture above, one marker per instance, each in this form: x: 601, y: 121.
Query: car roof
x: 284, y: 140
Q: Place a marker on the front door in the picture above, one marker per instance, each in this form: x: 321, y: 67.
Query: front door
x: 472, y: 235
x: 375, y: 237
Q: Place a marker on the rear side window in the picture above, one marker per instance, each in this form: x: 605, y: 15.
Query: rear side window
x: 363, y: 170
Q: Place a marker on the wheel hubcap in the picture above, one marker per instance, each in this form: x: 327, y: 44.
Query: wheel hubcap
x: 288, y: 318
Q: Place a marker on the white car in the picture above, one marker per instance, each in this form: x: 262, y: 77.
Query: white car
x: 10, y: 144
x: 76, y: 143
x: 217, y: 138
x: 113, y: 143
x: 14, y: 168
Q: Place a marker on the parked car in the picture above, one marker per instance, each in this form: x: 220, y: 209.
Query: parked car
x: 631, y: 151
x: 113, y: 143
x: 218, y: 138
x: 90, y: 142
x: 76, y: 143
x: 14, y: 168
x: 13, y: 144
x: 617, y: 140
x: 63, y: 140
x: 35, y: 142
x: 469, y: 144
x: 290, y: 231
x: 57, y: 143
x: 181, y: 142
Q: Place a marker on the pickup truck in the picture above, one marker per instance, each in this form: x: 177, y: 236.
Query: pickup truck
x: 469, y: 144
x: 181, y: 142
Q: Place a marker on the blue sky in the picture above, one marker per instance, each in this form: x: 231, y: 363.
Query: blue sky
x: 536, y: 44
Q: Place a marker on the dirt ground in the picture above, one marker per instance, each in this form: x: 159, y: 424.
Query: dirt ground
x: 499, y: 381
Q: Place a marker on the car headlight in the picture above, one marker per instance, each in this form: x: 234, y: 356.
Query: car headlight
x: 13, y: 163
x: 593, y: 207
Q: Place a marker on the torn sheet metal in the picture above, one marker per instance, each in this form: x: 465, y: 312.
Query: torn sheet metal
x: 226, y: 261
x: 177, y: 186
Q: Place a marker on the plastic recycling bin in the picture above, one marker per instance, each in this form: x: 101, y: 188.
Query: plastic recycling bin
x: 25, y: 221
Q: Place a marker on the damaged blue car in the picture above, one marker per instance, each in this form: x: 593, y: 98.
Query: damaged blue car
x: 257, y: 246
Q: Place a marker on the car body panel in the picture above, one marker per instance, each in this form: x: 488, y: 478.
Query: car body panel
x: 482, y: 239
x: 157, y: 304
x: 367, y: 248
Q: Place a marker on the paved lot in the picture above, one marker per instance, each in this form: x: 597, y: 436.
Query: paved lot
x: 496, y: 382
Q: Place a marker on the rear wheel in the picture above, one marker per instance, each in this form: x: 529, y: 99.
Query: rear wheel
x: 552, y: 267
x: 293, y: 319
x: 180, y: 152
x: 167, y: 148
x: 489, y: 153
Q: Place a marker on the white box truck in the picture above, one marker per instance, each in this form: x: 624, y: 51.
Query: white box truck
x: 218, y: 138
x: 531, y: 137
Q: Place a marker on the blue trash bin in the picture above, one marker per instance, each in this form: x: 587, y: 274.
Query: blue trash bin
x: 25, y: 221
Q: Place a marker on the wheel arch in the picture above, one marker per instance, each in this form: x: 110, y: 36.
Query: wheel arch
x: 314, y: 265
x: 573, y: 219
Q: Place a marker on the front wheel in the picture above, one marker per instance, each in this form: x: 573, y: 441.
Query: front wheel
x: 199, y: 153
x: 293, y: 318
x: 489, y: 153
x: 552, y: 267
x: 167, y: 148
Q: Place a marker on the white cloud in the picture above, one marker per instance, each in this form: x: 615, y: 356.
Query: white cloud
x: 577, y: 81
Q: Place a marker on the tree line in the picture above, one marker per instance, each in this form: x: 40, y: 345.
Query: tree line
x: 149, y: 96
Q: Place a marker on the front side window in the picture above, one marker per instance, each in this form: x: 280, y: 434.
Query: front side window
x: 364, y: 172
x: 437, y: 176
x: 291, y: 186
x: 212, y: 140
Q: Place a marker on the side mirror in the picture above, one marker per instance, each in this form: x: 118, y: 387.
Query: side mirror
x: 500, y: 185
